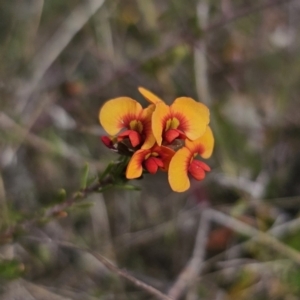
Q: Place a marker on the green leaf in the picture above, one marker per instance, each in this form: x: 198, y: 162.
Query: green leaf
x: 106, y: 171
x: 61, y: 196
x: 84, y: 177
x: 10, y: 269
x: 83, y: 205
x: 127, y: 187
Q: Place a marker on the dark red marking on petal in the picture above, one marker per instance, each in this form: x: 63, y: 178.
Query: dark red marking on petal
x: 183, y: 122
x: 201, y: 149
x: 125, y: 120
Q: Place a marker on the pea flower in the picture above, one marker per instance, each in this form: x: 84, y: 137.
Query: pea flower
x: 158, y: 157
x: 126, y: 118
x: 159, y: 137
x: 184, y: 118
x: 184, y: 163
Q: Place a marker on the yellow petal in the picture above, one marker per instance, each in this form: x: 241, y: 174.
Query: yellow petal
x: 203, y: 145
x: 149, y: 96
x: 192, y: 115
x: 147, y: 130
x: 178, y: 170
x: 159, y: 118
x: 135, y: 168
x: 117, y: 113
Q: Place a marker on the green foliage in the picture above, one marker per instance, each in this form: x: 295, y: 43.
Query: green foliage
x: 10, y: 269
x: 85, y: 176
x: 293, y: 280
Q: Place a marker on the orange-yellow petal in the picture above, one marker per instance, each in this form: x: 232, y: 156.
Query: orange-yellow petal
x: 203, y: 145
x: 193, y: 116
x: 117, y: 113
x: 159, y: 118
x: 147, y: 130
x: 149, y: 96
x: 178, y: 170
x: 135, y: 167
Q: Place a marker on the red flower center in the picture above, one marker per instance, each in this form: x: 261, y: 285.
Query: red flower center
x: 197, y: 169
x: 152, y: 164
x: 134, y: 137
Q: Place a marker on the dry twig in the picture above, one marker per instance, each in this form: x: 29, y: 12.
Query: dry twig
x: 43, y: 145
x: 54, y: 211
x: 57, y: 43
x: 257, y: 235
x: 110, y: 266
x: 194, y: 265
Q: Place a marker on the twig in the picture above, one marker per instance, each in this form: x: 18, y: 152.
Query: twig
x: 54, y: 211
x: 286, y: 228
x: 120, y: 272
x: 243, y: 12
x: 186, y: 277
x: 145, y: 236
x: 124, y: 274
x: 3, y: 204
x: 194, y: 265
x: 259, y: 236
x: 201, y: 71
x: 278, y: 232
x: 173, y: 42
x: 43, y: 145
x: 169, y: 43
x: 55, y: 45
x: 193, y: 268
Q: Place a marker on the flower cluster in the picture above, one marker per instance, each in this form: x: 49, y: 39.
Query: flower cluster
x: 159, y: 137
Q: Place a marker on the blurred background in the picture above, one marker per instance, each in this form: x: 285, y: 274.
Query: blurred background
x: 59, y: 62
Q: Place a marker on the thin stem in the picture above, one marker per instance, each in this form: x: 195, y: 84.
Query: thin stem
x: 194, y: 266
x: 120, y: 272
x: 110, y: 179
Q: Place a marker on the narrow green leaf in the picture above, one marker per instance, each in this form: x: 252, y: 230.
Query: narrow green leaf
x: 127, y: 187
x: 106, y: 171
x: 10, y: 269
x: 84, y: 177
x: 61, y: 196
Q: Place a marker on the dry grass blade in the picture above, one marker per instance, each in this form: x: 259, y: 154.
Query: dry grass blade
x: 43, y: 145
x: 110, y: 266
x: 55, y: 45
x: 259, y: 236
x: 193, y: 267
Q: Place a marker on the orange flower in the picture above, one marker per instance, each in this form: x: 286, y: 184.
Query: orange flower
x: 150, y: 159
x: 126, y: 117
x: 184, y: 118
x: 160, y: 136
x: 184, y: 162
